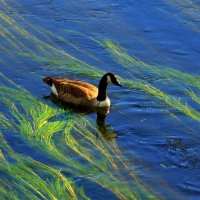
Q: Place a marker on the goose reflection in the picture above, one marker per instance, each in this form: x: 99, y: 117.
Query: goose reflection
x: 103, y: 128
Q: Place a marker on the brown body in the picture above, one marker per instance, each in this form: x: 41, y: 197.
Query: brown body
x: 72, y: 91
x: 81, y: 93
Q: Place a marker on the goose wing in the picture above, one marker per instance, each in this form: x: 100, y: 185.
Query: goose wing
x: 75, y: 92
x: 85, y: 85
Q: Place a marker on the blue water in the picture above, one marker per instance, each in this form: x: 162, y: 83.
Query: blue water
x: 159, y: 141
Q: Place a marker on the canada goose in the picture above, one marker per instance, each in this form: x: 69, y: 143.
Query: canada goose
x: 81, y: 93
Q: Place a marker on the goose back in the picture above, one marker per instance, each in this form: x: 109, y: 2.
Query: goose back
x: 72, y: 91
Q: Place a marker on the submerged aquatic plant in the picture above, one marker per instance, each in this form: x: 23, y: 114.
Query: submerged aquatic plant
x: 194, y: 96
x: 52, y: 56
x: 144, y: 72
x: 72, y: 141
x: 25, y: 178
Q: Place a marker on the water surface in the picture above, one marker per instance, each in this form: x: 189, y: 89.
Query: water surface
x: 148, y: 147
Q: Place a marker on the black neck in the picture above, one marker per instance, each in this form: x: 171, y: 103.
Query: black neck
x: 102, y: 89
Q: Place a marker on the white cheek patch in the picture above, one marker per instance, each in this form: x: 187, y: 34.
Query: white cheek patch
x: 53, y: 88
x: 108, y: 79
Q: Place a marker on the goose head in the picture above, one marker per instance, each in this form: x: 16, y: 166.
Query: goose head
x: 105, y: 80
x: 112, y: 78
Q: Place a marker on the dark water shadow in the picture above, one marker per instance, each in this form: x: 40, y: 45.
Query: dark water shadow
x: 103, y: 128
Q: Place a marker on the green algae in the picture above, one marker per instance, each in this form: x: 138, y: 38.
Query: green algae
x: 181, y: 79
x: 194, y: 96
x: 143, y: 72
x: 57, y: 138
x: 25, y: 178
x: 70, y: 140
x: 189, y: 13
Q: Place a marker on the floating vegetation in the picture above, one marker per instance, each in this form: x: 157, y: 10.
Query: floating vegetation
x: 189, y: 13
x: 25, y: 178
x: 70, y: 140
x: 73, y: 142
x: 146, y: 72
x: 143, y: 72
x: 24, y: 43
x: 194, y: 96
x: 135, y: 65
